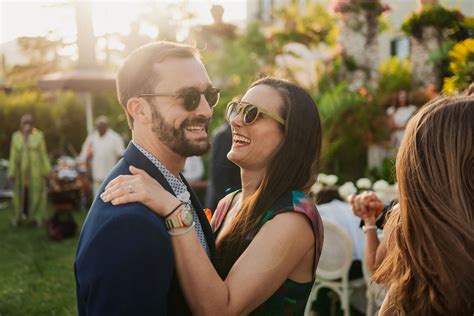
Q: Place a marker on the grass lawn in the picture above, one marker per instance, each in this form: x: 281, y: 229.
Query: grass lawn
x: 36, y: 273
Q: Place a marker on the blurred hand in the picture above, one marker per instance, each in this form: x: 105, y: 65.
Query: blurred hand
x: 367, y: 206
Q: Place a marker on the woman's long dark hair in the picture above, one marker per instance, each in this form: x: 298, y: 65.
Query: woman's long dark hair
x: 292, y: 167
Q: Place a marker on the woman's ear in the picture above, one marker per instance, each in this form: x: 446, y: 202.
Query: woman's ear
x: 138, y: 109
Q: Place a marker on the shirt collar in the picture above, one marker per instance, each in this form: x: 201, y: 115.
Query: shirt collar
x: 178, y: 186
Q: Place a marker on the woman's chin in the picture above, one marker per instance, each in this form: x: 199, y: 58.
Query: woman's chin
x: 234, y: 157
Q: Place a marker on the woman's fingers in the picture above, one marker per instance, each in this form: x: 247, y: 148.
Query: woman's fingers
x: 123, y: 199
x: 120, y: 190
x: 118, y: 180
x: 136, y: 171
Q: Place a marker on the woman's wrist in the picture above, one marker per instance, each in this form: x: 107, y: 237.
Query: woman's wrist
x: 166, y: 205
x: 370, y: 220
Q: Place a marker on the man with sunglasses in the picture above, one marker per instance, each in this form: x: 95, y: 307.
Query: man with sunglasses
x: 124, y: 261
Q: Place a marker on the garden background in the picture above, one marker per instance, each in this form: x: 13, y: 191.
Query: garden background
x: 332, y: 48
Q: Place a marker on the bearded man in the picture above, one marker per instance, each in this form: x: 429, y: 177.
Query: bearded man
x: 124, y: 262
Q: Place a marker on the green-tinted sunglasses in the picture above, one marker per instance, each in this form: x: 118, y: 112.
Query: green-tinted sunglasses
x: 250, y: 112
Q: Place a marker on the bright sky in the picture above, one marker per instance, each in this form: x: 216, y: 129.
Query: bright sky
x: 35, y: 17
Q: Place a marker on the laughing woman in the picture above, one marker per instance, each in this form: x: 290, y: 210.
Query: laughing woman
x: 269, y: 234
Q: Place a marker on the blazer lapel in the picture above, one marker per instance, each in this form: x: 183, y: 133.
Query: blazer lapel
x: 135, y: 158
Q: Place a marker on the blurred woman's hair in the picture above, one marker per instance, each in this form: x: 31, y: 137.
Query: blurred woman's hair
x: 327, y: 195
x: 429, y: 265
x: 292, y: 167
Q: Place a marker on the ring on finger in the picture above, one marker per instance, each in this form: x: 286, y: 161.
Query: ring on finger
x: 130, y: 188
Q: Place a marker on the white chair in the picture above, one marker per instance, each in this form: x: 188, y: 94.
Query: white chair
x: 375, y: 293
x: 333, y: 267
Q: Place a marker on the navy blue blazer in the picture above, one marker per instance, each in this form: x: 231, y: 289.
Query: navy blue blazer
x: 124, y: 261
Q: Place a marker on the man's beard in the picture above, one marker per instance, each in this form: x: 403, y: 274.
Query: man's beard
x: 175, y: 138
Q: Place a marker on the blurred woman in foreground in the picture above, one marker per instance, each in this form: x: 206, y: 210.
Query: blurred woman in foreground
x: 429, y: 261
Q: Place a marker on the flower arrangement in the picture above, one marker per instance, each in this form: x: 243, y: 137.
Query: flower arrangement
x: 382, y: 188
x: 462, y: 67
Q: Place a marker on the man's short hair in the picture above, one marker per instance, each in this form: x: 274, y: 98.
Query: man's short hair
x: 137, y: 74
x: 101, y: 119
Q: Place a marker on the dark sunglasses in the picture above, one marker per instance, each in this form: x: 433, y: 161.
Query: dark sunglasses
x: 191, y: 97
x: 250, y: 112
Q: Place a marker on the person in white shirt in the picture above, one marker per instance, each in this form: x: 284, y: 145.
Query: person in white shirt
x: 102, y: 148
x: 193, y: 169
x: 399, y: 114
x: 331, y: 207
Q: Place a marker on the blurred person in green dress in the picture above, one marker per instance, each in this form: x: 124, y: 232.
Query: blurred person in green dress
x: 28, y: 168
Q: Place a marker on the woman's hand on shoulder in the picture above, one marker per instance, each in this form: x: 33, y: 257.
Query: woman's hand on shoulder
x: 139, y: 187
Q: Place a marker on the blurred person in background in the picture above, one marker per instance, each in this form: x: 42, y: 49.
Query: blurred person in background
x: 399, y: 114
x: 224, y: 174
x: 28, y: 168
x: 103, y: 148
x: 332, y: 207
x: 193, y: 169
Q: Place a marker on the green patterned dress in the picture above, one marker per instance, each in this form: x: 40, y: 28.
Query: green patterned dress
x: 29, y: 165
x: 291, y: 297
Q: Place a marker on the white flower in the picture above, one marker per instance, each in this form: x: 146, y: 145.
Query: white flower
x: 331, y: 179
x: 316, y: 188
x: 347, y: 189
x: 322, y: 178
x: 380, y: 185
x: 364, y: 183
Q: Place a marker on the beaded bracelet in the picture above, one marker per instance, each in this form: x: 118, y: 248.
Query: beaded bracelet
x: 187, y: 230
x: 365, y: 228
x: 174, y: 210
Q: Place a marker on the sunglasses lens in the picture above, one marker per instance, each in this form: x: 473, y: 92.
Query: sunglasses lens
x: 212, y: 96
x: 232, y: 110
x: 191, y: 99
x: 250, y: 114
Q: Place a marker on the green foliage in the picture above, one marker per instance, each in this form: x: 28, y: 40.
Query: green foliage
x: 394, y: 75
x: 61, y: 117
x: 435, y: 16
x: 385, y: 172
x: 462, y: 67
x: 37, y: 273
x: 309, y: 26
x: 350, y: 122
x: 238, y: 64
x: 43, y: 57
x: 335, y: 72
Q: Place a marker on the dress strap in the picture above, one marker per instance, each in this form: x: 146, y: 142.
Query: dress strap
x: 221, y: 210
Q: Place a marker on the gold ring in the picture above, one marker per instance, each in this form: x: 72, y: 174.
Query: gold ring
x: 130, y: 188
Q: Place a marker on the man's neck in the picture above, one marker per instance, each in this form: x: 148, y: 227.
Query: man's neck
x: 171, y: 160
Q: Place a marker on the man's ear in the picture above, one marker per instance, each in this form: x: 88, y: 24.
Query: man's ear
x: 139, y: 110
